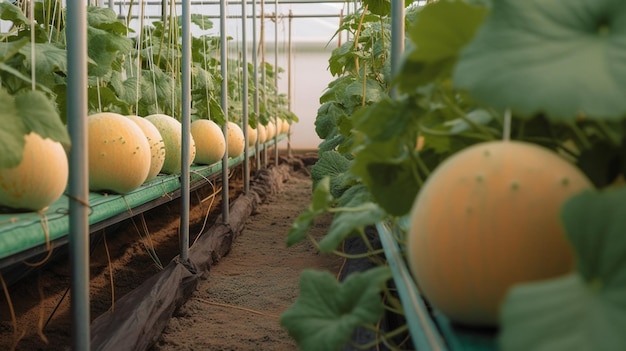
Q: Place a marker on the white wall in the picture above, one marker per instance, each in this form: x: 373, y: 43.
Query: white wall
x: 309, y: 77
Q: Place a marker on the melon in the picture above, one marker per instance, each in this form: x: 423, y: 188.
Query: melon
x: 209, y: 139
x: 270, y: 131
x: 253, y: 134
x: 39, y: 179
x: 488, y: 218
x: 171, y: 130
x: 236, y: 141
x: 284, y: 126
x: 262, y: 133
x: 157, y: 146
x: 119, y: 153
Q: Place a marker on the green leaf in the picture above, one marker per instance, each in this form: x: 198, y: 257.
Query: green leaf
x: 562, y: 58
x: 393, y: 185
x: 321, y: 198
x: 300, y: 227
x: 389, y: 173
x: 104, y: 48
x: 326, y: 120
x: 48, y: 58
x: 378, y: 7
x: 374, y: 91
x: 387, y: 119
x: 12, y: 13
x: 585, y: 310
x: 334, y: 165
x: 594, y: 222
x: 201, y: 21
x: 105, y: 18
x: 12, y: 131
x: 443, y: 28
x: 327, y: 312
x: 439, y: 32
x: 126, y: 90
x: 105, y: 99
x: 563, y: 314
x: 9, y: 49
x: 40, y: 116
x: 320, y: 202
x: 355, y: 211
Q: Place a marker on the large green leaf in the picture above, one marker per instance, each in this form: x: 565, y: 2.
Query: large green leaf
x: 595, y: 223
x: 202, y: 21
x: 378, y: 7
x: 334, y: 165
x: 354, y: 212
x: 559, y: 57
x: 40, y: 116
x: 440, y: 31
x: 12, y: 131
x: 563, y: 314
x: 585, y: 310
x: 10, y: 12
x: 48, y: 58
x: 104, y: 48
x: 327, y: 312
x: 9, y: 49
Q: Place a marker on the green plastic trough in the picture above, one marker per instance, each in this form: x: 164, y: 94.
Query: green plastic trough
x: 27, y: 234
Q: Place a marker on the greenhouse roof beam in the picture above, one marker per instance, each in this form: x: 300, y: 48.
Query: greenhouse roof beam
x: 249, y: 2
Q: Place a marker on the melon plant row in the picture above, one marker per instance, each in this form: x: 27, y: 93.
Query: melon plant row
x: 134, y: 104
x: 499, y: 162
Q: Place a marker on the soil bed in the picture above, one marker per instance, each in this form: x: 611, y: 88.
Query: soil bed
x: 234, y: 307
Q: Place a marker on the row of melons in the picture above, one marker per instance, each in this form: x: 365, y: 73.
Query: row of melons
x: 124, y: 152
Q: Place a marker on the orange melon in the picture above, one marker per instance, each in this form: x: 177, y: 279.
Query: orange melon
x: 488, y: 218
x: 39, y: 179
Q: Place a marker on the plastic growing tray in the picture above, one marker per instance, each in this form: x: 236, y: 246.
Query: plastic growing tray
x: 27, y: 234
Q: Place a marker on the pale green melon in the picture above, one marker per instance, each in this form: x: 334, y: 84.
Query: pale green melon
x: 171, y: 130
x: 157, y: 146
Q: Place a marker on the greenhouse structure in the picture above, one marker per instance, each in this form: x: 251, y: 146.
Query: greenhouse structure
x: 313, y: 175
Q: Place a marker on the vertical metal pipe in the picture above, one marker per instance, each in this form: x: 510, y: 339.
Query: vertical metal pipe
x: 397, y: 37
x: 255, y: 63
x: 79, y: 173
x: 185, y: 120
x: 244, y: 97
x: 289, y: 79
x: 276, y: 81
x: 224, y: 104
x: 164, y: 5
x: 263, y: 71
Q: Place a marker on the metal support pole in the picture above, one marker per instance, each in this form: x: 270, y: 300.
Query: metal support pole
x: 244, y: 99
x: 164, y: 12
x: 185, y: 119
x: 79, y: 173
x: 255, y: 63
x: 289, y: 80
x: 224, y: 104
x: 263, y: 71
x: 397, y: 37
x: 276, y: 81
